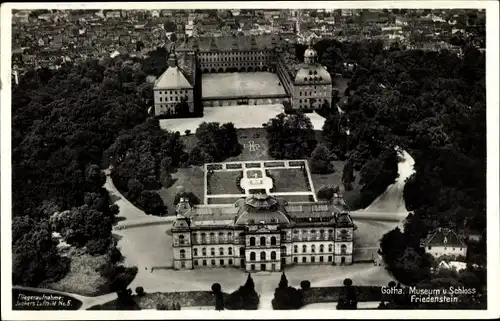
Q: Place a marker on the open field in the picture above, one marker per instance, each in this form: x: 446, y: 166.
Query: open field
x: 289, y: 180
x: 223, y: 183
x: 255, y: 116
x: 239, y: 84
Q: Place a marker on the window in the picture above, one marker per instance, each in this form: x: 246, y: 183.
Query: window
x: 222, y: 262
x: 304, y: 248
x: 322, y: 233
x: 229, y: 236
x: 242, y: 251
x: 230, y: 251
x: 329, y: 259
x: 252, y: 256
x: 300, y: 100
x: 273, y: 240
x: 453, y: 249
x: 212, y: 251
x: 196, y: 263
x: 304, y: 259
x: 300, y: 93
x: 430, y: 247
x: 204, y: 262
x: 204, y: 251
x: 252, y: 241
x: 160, y: 99
x: 273, y: 255
x: 213, y: 262
x: 183, y: 254
x: 195, y: 252
x: 212, y: 237
x: 203, y: 237
x: 313, y: 259
x: 330, y: 248
x: 183, y: 264
x: 295, y: 260
x: 181, y: 239
x: 221, y: 251
x: 221, y: 237
x: 262, y: 256
x: 295, y: 249
x: 343, y: 249
x: 252, y: 267
x: 321, y: 259
x: 313, y: 248
x: 262, y: 241
x: 321, y: 248
x: 330, y: 232
x: 273, y: 267
x: 230, y: 262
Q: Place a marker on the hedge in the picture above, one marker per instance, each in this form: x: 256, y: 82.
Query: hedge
x: 332, y: 294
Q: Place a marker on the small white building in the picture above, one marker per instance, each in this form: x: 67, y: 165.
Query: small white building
x: 444, y: 241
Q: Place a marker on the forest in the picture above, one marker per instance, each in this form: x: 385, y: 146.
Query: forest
x: 433, y: 105
x: 62, y: 122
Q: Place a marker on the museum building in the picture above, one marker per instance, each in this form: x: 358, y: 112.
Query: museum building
x: 262, y: 233
x: 308, y: 85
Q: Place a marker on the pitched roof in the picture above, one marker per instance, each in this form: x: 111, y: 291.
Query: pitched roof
x: 443, y: 237
x: 235, y: 42
x: 172, y: 78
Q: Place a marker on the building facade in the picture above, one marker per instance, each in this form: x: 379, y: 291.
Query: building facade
x: 262, y: 233
x: 308, y: 85
x: 444, y: 241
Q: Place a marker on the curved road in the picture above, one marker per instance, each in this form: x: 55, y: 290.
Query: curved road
x: 388, y: 207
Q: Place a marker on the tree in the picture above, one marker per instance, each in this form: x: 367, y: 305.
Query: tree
x: 290, y: 136
x: 326, y: 193
x: 348, y: 176
x: 192, y: 199
x: 139, y: 290
x: 151, y: 203
x: 348, y: 300
x: 283, y: 282
x: 249, y: 284
x: 217, y: 291
x: 321, y: 160
x: 305, y: 285
x: 173, y: 37
x: 334, y: 134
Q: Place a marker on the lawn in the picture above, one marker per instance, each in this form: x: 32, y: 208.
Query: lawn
x: 289, y: 180
x: 189, y: 179
x: 223, y: 183
x: 335, y: 179
x: 296, y: 198
x: 83, y: 278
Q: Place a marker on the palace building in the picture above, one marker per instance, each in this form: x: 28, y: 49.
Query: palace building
x: 262, y: 233
x: 307, y: 85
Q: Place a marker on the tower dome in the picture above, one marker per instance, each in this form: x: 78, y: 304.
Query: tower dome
x: 310, y: 56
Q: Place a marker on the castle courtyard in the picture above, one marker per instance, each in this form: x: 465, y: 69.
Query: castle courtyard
x: 239, y: 84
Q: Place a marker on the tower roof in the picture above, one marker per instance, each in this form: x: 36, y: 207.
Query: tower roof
x: 173, y: 78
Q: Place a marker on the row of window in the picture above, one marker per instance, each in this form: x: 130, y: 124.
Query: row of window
x: 315, y: 93
x: 343, y: 248
x: 212, y: 252
x: 173, y: 92
x: 243, y: 64
x: 206, y: 59
x: 453, y: 249
x: 308, y: 100
x: 238, y: 53
x: 171, y: 98
x: 262, y: 241
x: 204, y: 262
x: 313, y: 259
x: 262, y: 256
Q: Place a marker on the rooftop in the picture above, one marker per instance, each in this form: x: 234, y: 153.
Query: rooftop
x: 229, y: 43
x: 443, y: 237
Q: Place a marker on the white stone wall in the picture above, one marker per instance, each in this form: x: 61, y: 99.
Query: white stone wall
x: 167, y: 99
x: 437, y: 251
